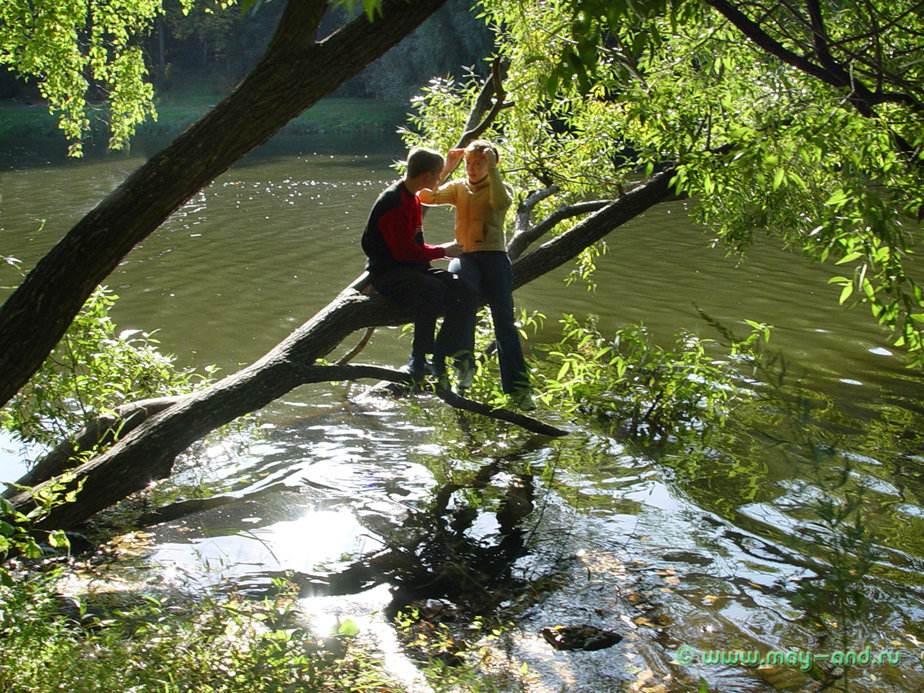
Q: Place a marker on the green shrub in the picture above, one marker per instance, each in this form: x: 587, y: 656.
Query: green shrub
x: 92, y: 370
x: 631, y: 381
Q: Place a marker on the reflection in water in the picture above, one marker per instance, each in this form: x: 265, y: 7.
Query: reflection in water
x: 715, y: 544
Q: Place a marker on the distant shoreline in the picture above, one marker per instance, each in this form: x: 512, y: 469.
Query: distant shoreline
x: 26, y: 126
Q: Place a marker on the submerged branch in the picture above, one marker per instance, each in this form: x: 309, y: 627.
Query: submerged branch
x: 358, y: 371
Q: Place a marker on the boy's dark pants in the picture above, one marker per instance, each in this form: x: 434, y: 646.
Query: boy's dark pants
x: 430, y: 292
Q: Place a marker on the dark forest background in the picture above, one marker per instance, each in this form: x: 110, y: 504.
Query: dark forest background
x: 212, y: 48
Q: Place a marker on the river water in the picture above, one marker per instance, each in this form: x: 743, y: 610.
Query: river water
x: 687, y: 551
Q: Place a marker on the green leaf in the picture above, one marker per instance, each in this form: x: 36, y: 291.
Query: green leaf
x: 778, y: 176
x: 58, y: 539
x: 849, y: 257
x: 348, y: 628
x: 846, y: 292
x: 563, y: 371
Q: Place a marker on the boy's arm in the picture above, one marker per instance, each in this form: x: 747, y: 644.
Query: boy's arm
x: 399, y: 238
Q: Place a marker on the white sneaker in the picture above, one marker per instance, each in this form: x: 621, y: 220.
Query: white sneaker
x: 465, y: 374
x: 523, y: 400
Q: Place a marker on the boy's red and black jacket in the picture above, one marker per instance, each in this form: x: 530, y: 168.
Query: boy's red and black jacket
x: 394, y: 231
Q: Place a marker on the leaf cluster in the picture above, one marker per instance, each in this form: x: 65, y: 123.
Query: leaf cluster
x: 94, y: 369
x: 78, y: 50
x: 651, y: 391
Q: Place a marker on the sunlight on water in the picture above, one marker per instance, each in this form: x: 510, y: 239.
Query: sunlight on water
x: 314, y: 542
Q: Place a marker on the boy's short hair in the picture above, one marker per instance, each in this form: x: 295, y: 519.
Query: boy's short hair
x: 483, y: 146
x: 423, y: 160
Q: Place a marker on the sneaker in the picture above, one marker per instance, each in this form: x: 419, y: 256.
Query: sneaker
x: 465, y: 374
x: 523, y: 400
x: 417, y: 366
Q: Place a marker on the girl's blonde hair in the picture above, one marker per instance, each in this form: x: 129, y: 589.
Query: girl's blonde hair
x: 482, y: 146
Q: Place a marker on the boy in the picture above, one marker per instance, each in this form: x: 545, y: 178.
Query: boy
x: 398, y: 262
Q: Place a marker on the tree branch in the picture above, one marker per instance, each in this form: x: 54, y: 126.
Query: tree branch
x: 834, y: 75
x: 493, y: 87
x: 352, y: 353
x: 568, y: 245
x: 357, y: 371
x: 525, y: 208
x: 99, y: 432
x: 524, y: 239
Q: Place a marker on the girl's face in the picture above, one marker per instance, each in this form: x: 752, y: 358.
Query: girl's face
x: 476, y: 166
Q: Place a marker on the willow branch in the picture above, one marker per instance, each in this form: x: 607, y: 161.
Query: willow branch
x: 352, y: 353
x: 524, y: 239
x: 525, y: 208
x: 492, y: 87
x: 562, y: 248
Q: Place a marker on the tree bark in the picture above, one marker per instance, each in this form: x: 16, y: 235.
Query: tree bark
x: 295, y: 72
x: 148, y: 452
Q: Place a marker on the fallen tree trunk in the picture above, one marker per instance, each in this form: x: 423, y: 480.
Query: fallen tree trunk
x: 148, y: 452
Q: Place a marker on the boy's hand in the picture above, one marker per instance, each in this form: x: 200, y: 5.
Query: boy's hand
x: 452, y: 249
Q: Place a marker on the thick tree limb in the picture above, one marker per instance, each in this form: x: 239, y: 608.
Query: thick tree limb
x: 99, y: 432
x: 568, y: 245
x: 294, y: 73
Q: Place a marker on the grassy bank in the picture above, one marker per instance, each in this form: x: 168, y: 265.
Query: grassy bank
x: 26, y: 125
